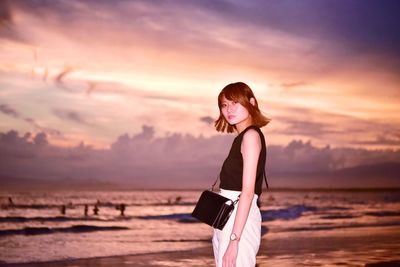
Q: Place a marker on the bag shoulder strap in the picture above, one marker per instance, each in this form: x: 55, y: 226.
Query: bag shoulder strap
x: 265, y: 178
x: 262, y: 140
x: 216, y: 180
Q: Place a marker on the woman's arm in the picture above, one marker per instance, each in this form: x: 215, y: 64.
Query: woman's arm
x: 250, y: 149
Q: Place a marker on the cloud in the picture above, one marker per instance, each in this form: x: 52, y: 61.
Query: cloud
x: 289, y: 85
x: 327, y: 126
x: 8, y: 29
x: 389, y: 139
x: 7, y: 110
x: 10, y: 111
x: 368, y: 26
x: 100, y: 87
x: 174, y: 161
x: 341, y: 33
x: 142, y: 159
x: 157, y: 62
x: 70, y: 115
x: 313, y: 36
x: 59, y: 78
x: 207, y: 119
x: 298, y: 126
x: 5, y: 13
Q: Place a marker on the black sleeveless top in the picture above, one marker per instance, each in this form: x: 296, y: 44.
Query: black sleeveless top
x: 232, y: 169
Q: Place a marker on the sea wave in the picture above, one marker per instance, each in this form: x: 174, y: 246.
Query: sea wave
x: 339, y: 216
x: 51, y: 230
x: 289, y: 213
x: 180, y: 217
x: 385, y: 213
x: 99, y: 204
x: 21, y: 219
x: 338, y: 226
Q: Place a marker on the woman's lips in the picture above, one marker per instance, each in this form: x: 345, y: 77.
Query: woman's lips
x: 230, y: 117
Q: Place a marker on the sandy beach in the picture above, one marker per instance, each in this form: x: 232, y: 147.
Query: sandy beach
x: 371, y: 247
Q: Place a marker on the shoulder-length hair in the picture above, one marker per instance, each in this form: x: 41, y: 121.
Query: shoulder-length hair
x: 241, y: 93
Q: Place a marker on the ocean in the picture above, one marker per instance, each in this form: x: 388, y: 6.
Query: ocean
x: 34, y: 227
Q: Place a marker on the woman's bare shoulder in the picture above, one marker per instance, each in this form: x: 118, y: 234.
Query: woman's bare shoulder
x: 251, y: 138
x: 251, y: 134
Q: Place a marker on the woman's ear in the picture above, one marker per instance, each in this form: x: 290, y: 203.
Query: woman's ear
x: 253, y: 101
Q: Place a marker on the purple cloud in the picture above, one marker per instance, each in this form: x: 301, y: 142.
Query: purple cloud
x: 207, y: 119
x: 7, y: 110
x: 184, y: 161
x: 10, y: 111
x: 70, y: 115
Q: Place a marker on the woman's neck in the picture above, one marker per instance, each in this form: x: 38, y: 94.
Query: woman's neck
x: 243, y: 125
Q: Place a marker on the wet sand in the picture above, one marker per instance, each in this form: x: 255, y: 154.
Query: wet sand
x: 370, y: 247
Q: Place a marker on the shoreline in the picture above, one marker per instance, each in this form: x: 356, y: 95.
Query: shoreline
x: 118, y: 260
x: 372, y: 247
x: 6, y: 189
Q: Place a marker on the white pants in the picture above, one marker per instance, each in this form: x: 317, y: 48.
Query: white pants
x: 249, y: 240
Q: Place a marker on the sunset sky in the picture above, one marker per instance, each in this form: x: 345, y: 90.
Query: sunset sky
x: 325, y: 72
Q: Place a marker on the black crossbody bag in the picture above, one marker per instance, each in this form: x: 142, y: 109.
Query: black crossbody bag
x: 214, y: 209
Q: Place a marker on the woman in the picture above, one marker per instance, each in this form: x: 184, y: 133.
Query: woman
x: 241, y: 175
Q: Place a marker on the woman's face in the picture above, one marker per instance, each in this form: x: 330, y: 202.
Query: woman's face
x: 234, y: 112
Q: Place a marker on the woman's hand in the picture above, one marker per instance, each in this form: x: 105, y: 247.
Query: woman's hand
x: 229, y: 259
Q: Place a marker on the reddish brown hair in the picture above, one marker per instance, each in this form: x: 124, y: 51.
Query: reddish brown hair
x: 241, y: 93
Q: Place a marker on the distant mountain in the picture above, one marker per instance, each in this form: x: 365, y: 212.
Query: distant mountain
x: 20, y: 183
x: 385, y: 174
x: 379, y: 175
x: 382, y: 170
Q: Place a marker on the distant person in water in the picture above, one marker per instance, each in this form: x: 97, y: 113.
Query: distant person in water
x: 63, y: 209
x: 86, y: 210
x: 122, y: 209
x: 241, y: 175
x: 96, y: 210
x: 10, y: 202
